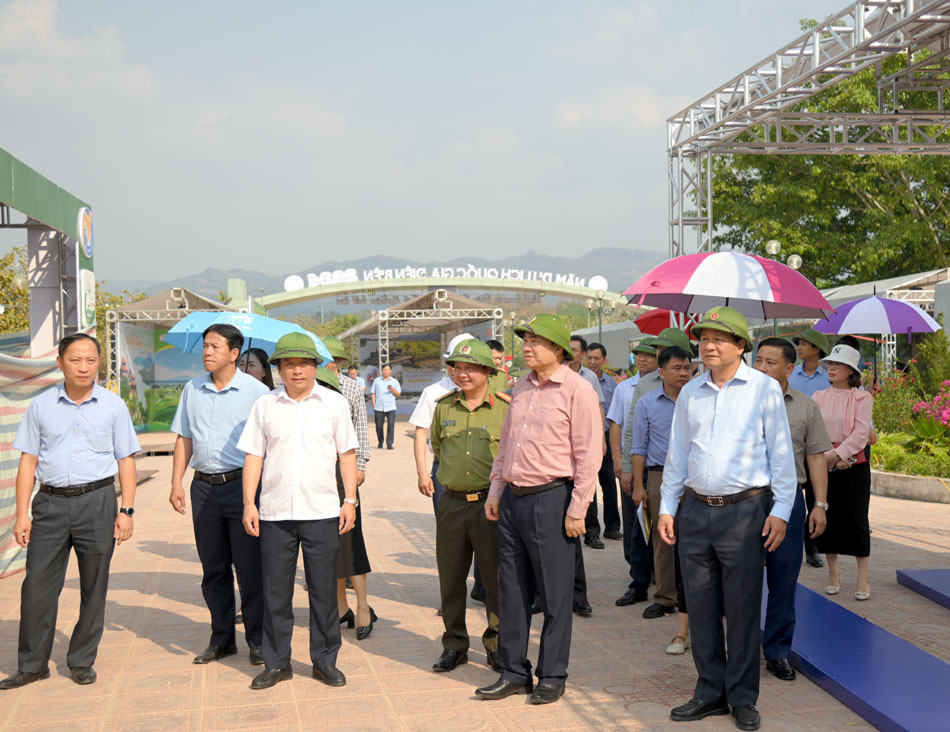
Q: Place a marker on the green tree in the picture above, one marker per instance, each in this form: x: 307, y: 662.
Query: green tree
x: 106, y: 301
x: 16, y: 302
x: 932, y: 365
x: 850, y: 217
x: 223, y: 296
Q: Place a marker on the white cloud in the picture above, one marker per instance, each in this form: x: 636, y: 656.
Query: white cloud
x: 633, y: 106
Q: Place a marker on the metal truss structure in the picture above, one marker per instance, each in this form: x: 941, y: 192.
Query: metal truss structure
x: 423, y: 320
x: 764, y: 109
x: 176, y: 308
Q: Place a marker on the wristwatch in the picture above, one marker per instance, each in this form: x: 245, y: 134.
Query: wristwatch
x: 821, y: 505
x: 354, y: 501
x: 127, y: 511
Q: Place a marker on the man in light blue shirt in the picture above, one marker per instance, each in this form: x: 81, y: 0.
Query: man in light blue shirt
x: 73, y: 440
x: 809, y: 375
x: 354, y: 373
x: 384, y: 392
x: 211, y: 415
x: 731, y: 452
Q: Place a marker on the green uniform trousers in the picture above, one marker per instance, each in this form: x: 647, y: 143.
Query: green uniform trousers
x: 461, y: 528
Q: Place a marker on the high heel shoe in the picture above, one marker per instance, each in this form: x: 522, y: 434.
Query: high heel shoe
x: 363, y: 631
x: 348, y: 618
x: 862, y: 595
x: 835, y: 588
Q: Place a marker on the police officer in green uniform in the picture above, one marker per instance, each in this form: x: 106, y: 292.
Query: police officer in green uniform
x: 498, y: 381
x: 465, y: 431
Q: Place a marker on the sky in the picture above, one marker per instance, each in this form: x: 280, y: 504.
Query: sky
x: 275, y: 136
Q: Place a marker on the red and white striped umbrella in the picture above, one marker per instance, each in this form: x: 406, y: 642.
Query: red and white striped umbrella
x: 755, y: 286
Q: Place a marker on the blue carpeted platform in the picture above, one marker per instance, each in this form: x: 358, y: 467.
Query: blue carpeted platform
x: 889, y: 682
x: 933, y: 584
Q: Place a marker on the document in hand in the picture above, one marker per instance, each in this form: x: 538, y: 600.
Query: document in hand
x: 643, y: 517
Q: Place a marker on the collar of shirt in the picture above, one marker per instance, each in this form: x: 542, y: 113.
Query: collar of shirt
x: 62, y: 396
x: 281, y: 393
x: 557, y: 377
x: 459, y: 398
x: 741, y: 375
x: 234, y: 383
x: 817, y: 373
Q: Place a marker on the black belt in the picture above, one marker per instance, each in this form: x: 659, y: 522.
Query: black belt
x: 77, y: 490
x: 656, y: 468
x: 733, y: 498
x: 219, y: 478
x: 527, y: 490
x: 463, y: 496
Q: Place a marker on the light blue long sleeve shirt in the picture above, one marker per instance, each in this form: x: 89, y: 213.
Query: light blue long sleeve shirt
x: 76, y: 443
x: 727, y: 440
x: 213, y: 420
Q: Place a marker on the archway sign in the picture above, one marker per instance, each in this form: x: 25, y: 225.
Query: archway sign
x: 60, y: 249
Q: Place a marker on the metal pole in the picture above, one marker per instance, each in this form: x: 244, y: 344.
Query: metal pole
x: 600, y: 321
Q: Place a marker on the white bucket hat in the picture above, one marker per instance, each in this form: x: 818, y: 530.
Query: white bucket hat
x: 455, y: 341
x: 843, y: 354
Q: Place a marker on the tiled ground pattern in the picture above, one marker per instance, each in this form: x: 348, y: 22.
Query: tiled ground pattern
x: 620, y: 677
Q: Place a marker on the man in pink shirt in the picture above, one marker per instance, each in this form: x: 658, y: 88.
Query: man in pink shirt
x: 542, y: 481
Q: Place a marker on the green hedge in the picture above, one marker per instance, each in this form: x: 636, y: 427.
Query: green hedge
x: 892, y: 453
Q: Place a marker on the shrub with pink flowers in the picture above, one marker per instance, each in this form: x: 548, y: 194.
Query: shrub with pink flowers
x: 938, y: 408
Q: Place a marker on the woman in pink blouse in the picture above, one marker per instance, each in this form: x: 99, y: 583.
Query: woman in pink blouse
x: 846, y: 409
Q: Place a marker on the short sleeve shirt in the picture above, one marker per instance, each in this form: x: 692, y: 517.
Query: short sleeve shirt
x: 76, y: 443
x: 385, y: 400
x: 805, y: 422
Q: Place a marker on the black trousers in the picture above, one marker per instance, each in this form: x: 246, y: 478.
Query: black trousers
x: 218, y: 515
x: 722, y: 554
x: 608, y: 491
x: 781, y: 573
x: 534, y: 552
x: 636, y: 551
x: 281, y: 544
x: 85, y: 524
x: 389, y: 419
x: 462, y: 530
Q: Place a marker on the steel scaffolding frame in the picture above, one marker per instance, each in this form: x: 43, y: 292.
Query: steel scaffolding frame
x: 759, y: 111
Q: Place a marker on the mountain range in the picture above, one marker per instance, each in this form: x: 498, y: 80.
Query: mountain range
x: 621, y: 267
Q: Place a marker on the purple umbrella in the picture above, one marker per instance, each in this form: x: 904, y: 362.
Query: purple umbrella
x: 878, y: 315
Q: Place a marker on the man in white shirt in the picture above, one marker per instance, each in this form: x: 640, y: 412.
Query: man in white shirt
x: 302, y: 429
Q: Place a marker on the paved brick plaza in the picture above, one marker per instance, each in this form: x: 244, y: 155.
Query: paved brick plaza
x: 620, y: 677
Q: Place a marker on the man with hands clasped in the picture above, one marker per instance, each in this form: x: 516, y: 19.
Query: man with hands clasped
x: 301, y: 428
x: 731, y: 453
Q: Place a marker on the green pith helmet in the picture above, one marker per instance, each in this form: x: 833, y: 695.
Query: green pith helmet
x: 727, y: 320
x: 328, y: 378
x: 472, y: 351
x: 818, y: 339
x: 670, y: 337
x: 335, y: 347
x: 551, y: 327
x: 295, y: 345
x: 646, y: 345
x: 518, y: 367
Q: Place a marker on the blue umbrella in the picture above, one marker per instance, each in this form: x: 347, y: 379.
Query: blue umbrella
x: 259, y: 331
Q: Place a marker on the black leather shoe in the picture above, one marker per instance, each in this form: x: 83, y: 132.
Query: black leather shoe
x: 546, y: 693
x: 615, y: 535
x: 491, y: 659
x: 449, y: 660
x: 22, y: 678
x: 747, y: 717
x: 781, y: 668
x: 83, y: 675
x: 256, y: 656
x: 583, y: 609
x: 213, y: 653
x: 592, y: 539
x: 814, y: 560
x: 536, y: 605
x: 329, y: 675
x: 270, y: 677
x: 698, y: 709
x: 502, y: 689
x: 630, y: 597
x: 239, y: 618
x: 349, y: 618
x: 363, y: 631
x: 479, y: 595
x: 656, y: 610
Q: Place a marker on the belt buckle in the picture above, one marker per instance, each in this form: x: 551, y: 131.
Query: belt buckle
x: 471, y: 497
x: 70, y: 492
x: 715, y: 500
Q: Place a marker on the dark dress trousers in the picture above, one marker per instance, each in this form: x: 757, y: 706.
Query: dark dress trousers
x: 86, y: 524
x: 533, y: 552
x: 218, y: 515
x: 388, y: 419
x: 636, y: 551
x: 782, y: 567
x: 721, y: 547
x: 608, y: 491
x: 281, y: 544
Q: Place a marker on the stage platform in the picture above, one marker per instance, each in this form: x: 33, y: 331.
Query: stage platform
x: 933, y: 584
